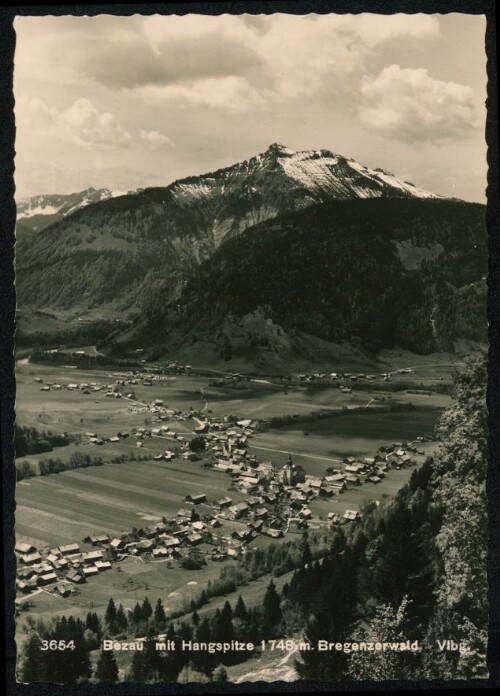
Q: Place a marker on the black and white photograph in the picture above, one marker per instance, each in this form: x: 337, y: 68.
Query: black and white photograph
x: 251, y: 349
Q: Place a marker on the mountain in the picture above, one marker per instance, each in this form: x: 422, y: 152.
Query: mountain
x: 119, y: 252
x: 374, y: 274
x: 37, y: 212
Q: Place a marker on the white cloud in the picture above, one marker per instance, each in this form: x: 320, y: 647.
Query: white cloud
x: 410, y: 105
x: 81, y: 124
x: 155, y: 140
x: 233, y: 94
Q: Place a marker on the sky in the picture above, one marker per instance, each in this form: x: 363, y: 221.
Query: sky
x: 130, y: 102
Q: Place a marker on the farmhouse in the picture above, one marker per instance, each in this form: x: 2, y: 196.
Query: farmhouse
x: 195, y: 498
x: 76, y: 577
x: 91, y: 557
x: 239, y: 510
x: 62, y: 590
x: 351, y: 515
x: 24, y: 548
x: 194, y: 538
x: 47, y: 579
x: 89, y: 571
x: 97, y: 539
x: 223, y: 502
x: 103, y: 565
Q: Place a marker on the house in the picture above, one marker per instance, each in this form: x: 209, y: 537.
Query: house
x: 354, y: 468
x: 335, y: 478
x: 103, y: 565
x: 241, y: 534
x: 69, y: 549
x: 351, y: 515
x: 190, y: 456
x: 160, y: 552
x: 188, y: 514
x: 144, y: 546
x: 374, y: 479
x: 62, y: 590
x: 24, y: 548
x: 194, y: 539
x: 224, y: 502
x: 325, y: 492
x: 97, y: 539
x: 304, y: 514
x: 271, y: 532
x: 91, y: 557
x: 31, y: 558
x: 47, y: 579
x: 353, y: 479
x: 239, y: 510
x: 195, y: 498
x: 89, y: 571
x: 27, y: 585
x: 117, y: 544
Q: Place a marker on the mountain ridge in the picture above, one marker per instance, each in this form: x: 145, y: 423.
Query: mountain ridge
x: 116, y: 251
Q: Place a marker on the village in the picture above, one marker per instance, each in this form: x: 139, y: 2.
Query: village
x: 262, y: 499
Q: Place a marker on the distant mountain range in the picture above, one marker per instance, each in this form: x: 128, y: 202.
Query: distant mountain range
x: 316, y: 242
x: 37, y: 212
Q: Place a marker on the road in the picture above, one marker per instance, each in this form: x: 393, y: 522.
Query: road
x: 298, y: 454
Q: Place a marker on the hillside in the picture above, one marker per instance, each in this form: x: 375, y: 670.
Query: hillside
x: 122, y: 251
x: 374, y: 273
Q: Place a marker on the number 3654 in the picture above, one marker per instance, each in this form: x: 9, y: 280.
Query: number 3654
x: 57, y: 645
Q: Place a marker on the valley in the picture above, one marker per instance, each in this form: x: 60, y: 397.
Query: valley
x: 134, y: 487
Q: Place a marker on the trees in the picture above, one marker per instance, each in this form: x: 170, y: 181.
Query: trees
x: 107, y: 669
x: 32, y: 666
x: 197, y: 444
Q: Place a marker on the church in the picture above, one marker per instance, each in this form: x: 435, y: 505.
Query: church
x: 292, y: 473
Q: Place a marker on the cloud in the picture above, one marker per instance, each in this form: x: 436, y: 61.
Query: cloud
x: 411, y: 106
x: 138, y: 62
x: 233, y: 94
x: 155, y: 140
x: 81, y: 124
x: 278, y: 57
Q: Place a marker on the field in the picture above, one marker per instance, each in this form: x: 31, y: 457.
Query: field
x: 116, y: 497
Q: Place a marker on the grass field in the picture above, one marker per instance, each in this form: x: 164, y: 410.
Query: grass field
x: 332, y: 439
x: 116, y: 497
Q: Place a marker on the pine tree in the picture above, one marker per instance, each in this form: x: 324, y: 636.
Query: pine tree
x: 110, y: 615
x: 107, y: 669
x: 159, y: 615
x: 146, y: 610
x: 32, y: 663
x: 121, y: 619
x: 271, y: 611
x: 240, y: 610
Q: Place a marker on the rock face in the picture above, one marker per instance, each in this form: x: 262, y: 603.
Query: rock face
x: 104, y: 249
